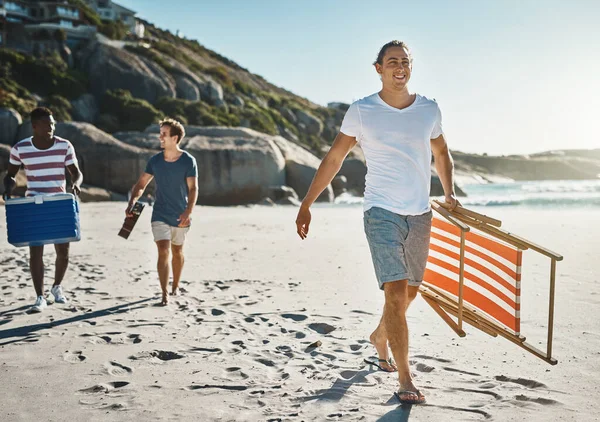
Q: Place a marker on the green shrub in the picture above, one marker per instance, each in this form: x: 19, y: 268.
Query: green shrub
x: 151, y: 55
x: 115, y: 30
x: 44, y: 77
x: 109, y: 123
x: 132, y: 113
x: 89, y: 14
x: 172, y: 106
x: 10, y: 100
x: 60, y: 106
x: 244, y: 88
x: 220, y: 73
x: 259, y: 119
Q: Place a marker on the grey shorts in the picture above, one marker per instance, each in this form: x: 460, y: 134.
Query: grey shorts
x: 162, y: 231
x: 399, y: 245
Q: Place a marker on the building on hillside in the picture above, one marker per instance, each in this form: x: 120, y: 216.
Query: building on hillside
x: 25, y: 24
x: 108, y: 10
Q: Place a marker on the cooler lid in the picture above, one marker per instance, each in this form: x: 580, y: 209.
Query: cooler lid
x: 40, y: 199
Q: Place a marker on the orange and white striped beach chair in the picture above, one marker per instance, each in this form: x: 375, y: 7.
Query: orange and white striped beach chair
x: 475, y: 276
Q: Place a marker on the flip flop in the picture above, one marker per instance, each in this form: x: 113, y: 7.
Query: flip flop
x: 420, y: 398
x: 377, y: 364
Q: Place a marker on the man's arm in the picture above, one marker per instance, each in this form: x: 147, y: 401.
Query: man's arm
x: 445, y: 169
x: 329, y: 167
x: 9, y: 180
x: 76, y: 178
x: 138, y: 190
x: 184, y: 219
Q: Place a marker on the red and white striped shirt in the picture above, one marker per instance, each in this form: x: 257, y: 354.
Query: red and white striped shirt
x: 44, y: 169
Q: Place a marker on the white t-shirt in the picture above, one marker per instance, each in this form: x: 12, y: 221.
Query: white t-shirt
x: 397, y: 148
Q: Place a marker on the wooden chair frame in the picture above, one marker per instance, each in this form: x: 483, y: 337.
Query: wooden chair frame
x: 445, y: 305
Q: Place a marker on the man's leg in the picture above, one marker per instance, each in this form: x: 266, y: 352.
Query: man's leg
x: 163, y: 267
x: 177, y: 261
x: 379, y: 337
x: 36, y: 266
x: 61, y: 263
x: 394, y: 319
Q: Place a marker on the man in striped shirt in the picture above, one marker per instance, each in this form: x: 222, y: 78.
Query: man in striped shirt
x: 44, y: 157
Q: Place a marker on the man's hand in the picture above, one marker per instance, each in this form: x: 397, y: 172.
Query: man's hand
x: 185, y: 219
x: 303, y: 222
x: 75, y: 189
x: 451, y: 202
x: 9, y: 185
x: 128, y: 212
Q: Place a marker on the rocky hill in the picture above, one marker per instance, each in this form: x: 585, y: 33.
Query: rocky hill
x: 117, y: 89
x: 550, y: 165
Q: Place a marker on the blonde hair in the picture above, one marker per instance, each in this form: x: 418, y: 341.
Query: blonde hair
x: 175, y: 128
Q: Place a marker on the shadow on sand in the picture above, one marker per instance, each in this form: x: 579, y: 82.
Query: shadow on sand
x: 27, y: 333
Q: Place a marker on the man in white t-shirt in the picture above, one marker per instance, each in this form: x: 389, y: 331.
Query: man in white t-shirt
x: 45, y: 158
x: 398, y: 132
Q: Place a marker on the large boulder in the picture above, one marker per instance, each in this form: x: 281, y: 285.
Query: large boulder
x: 10, y: 120
x: 25, y: 131
x: 313, y: 125
x: 111, y: 68
x: 140, y: 139
x: 436, y: 186
x: 235, y: 165
x: 212, y: 91
x: 85, y: 109
x: 354, y: 168
x: 186, y: 88
x: 105, y: 161
x: 21, y: 186
x: 300, y: 168
x: 235, y: 170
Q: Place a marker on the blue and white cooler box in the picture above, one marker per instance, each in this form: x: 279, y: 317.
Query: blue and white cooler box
x: 43, y: 219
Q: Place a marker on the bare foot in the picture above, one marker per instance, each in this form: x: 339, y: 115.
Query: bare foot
x: 382, y: 352
x: 165, y: 299
x: 174, y: 292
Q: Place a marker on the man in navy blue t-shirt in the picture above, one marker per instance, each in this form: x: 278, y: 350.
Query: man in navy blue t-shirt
x: 176, y: 176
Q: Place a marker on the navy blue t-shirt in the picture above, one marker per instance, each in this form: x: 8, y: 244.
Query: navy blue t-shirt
x: 171, y: 186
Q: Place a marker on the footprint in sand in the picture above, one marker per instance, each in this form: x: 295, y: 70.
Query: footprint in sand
x: 295, y: 317
x: 521, y: 381
x: 222, y: 387
x: 538, y: 400
x: 421, y: 367
x: 74, y: 357
x: 116, y: 369
x: 321, y: 327
x: 163, y: 355
x: 104, y: 388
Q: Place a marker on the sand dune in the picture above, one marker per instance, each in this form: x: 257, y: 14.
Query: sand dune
x: 272, y: 328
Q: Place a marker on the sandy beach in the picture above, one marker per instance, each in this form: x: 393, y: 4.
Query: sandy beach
x: 235, y: 346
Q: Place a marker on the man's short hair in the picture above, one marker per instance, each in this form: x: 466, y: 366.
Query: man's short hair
x: 175, y: 128
x: 39, y: 113
x: 394, y: 43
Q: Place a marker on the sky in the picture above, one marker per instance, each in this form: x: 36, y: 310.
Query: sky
x: 511, y: 77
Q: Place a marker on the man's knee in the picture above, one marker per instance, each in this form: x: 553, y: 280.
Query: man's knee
x: 177, y: 251
x: 396, y: 293
x: 62, y: 251
x: 413, y: 291
x: 164, y: 248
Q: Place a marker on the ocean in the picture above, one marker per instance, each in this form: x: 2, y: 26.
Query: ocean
x: 547, y: 193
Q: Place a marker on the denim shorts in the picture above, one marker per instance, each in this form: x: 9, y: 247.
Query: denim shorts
x: 399, y: 245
